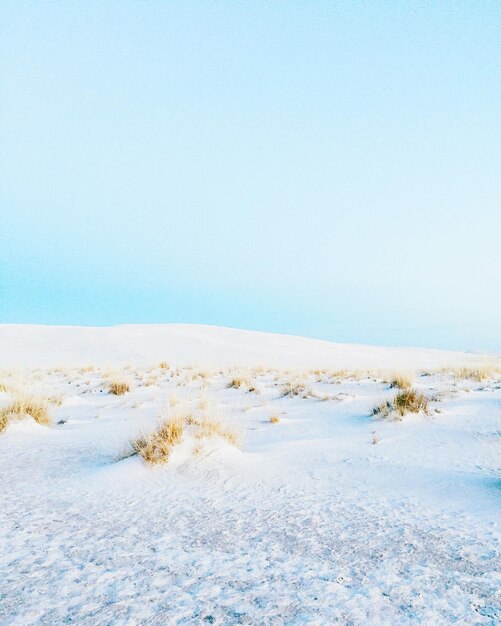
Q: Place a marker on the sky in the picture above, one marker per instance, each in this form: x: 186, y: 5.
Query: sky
x: 327, y: 169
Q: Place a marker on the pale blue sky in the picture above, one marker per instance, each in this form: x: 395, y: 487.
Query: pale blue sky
x: 331, y: 169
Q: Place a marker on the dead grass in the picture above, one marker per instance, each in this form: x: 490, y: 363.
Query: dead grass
x: 207, y: 427
x: 274, y: 419
x: 294, y: 388
x: 55, y: 400
x: 242, y: 382
x: 477, y: 374
x: 25, y: 407
x: 236, y: 383
x: 118, y: 388
x: 400, y: 381
x: 164, y: 365
x: 405, y: 401
x: 4, y: 420
x: 157, y: 447
x: 383, y: 408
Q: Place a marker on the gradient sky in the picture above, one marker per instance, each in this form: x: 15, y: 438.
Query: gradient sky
x: 331, y: 169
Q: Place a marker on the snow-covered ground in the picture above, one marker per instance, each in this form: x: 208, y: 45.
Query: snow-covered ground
x: 329, y: 516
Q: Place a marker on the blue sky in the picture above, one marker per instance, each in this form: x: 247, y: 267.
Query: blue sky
x: 330, y: 169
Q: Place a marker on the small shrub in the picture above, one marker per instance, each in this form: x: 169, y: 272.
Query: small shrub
x: 118, y: 388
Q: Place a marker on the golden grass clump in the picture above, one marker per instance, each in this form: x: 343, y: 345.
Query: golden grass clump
x: 294, y: 388
x: 23, y: 407
x: 157, y: 447
x: 405, y: 401
x: 207, y: 427
x: 478, y: 374
x: 401, y: 382
x: 4, y: 420
x: 235, y: 383
x: 242, y: 382
x: 118, y: 388
x: 164, y: 365
x: 410, y: 401
x: 274, y: 419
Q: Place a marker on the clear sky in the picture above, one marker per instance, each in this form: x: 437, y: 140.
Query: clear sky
x: 331, y: 169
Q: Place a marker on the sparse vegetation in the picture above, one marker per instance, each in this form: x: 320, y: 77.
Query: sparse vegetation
x: 405, y: 401
x: 274, y: 419
x: 241, y: 382
x: 294, y: 388
x: 383, y: 409
x: 157, y: 447
x: 25, y: 407
x: 55, y: 400
x: 477, y: 374
x: 207, y: 427
x: 118, y: 388
x: 401, y: 382
x: 410, y: 401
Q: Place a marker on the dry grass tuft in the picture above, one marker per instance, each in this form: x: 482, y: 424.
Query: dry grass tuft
x: 478, y: 374
x: 164, y: 365
x: 207, y: 427
x: 118, y: 388
x: 25, y: 407
x: 410, y: 401
x: 383, y: 409
x: 157, y: 447
x: 294, y: 388
x: 238, y: 382
x: 243, y: 381
x: 274, y: 419
x: 405, y: 401
x: 55, y: 400
x: 401, y: 382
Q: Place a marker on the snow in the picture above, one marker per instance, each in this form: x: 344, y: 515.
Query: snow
x: 309, y: 522
x: 190, y: 344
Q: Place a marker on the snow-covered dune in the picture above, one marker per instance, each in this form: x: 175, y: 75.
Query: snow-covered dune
x: 284, y: 500
x: 190, y: 344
